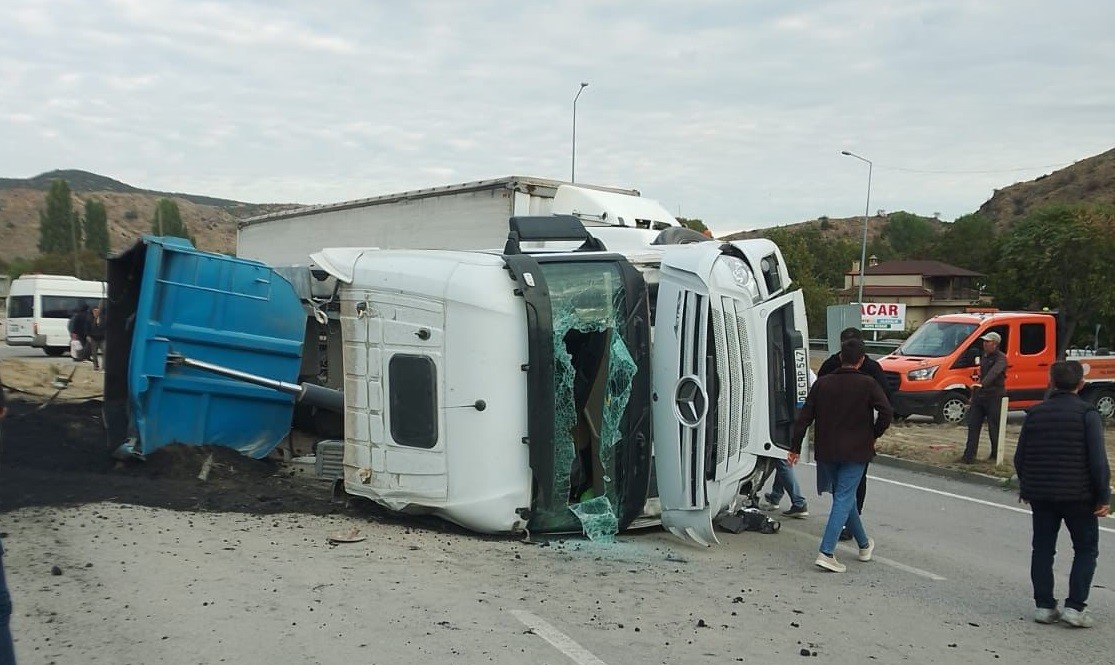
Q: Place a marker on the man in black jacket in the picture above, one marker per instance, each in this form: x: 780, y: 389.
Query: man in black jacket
x: 872, y: 368
x: 987, y: 397
x: 1064, y: 475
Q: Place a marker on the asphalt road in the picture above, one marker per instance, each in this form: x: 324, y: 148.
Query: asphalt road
x: 950, y: 584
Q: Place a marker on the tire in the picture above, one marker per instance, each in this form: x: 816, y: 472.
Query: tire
x: 1104, y: 401
x: 55, y: 351
x: 952, y: 409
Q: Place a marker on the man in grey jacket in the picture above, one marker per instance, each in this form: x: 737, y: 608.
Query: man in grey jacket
x: 987, y: 397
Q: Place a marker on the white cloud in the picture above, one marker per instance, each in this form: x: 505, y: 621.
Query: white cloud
x: 734, y: 112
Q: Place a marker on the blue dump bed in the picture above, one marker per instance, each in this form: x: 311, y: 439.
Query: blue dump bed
x: 167, y: 298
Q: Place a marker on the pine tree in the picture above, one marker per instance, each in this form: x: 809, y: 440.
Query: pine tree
x: 168, y: 220
x: 96, y: 227
x: 56, y: 233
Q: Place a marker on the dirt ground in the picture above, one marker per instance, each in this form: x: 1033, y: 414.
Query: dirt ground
x: 943, y: 445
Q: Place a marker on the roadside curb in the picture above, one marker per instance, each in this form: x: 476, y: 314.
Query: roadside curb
x: 954, y: 474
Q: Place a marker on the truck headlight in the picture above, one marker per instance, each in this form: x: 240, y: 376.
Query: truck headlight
x: 923, y: 374
x: 741, y: 274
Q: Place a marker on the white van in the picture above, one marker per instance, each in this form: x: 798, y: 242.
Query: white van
x: 40, y: 307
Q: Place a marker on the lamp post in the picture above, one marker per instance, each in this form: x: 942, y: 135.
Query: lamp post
x: 866, y: 212
x: 573, y: 162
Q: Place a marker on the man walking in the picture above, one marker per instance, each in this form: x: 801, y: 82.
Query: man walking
x: 843, y: 407
x: 7, y: 653
x: 1064, y: 475
x: 785, y: 482
x: 987, y: 397
x: 95, y: 337
x: 872, y: 368
x: 79, y: 331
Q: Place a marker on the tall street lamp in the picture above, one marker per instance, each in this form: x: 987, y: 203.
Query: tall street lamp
x: 573, y: 164
x: 866, y: 212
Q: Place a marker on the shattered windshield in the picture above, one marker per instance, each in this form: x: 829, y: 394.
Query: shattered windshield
x: 592, y: 384
x: 935, y: 339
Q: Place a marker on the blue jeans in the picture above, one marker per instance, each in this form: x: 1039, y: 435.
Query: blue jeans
x: 785, y: 482
x: 845, y: 479
x: 1083, y: 527
x: 7, y: 653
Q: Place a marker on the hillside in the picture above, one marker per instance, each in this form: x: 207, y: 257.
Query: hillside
x: 130, y: 209
x: 843, y: 228
x: 1090, y: 180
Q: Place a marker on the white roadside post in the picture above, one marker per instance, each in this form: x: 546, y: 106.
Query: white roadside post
x: 1000, y: 445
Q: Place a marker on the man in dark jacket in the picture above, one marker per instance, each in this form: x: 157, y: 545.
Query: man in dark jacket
x: 1064, y: 475
x: 987, y: 397
x: 79, y: 329
x: 95, y: 337
x: 7, y: 654
x: 843, y: 407
x: 872, y: 368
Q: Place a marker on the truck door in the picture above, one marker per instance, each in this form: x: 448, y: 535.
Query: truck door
x: 1028, y: 373
x: 394, y: 392
x: 710, y: 395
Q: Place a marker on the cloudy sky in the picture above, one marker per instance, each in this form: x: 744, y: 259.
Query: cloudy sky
x: 733, y: 111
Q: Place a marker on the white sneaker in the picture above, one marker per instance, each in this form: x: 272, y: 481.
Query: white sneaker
x: 1077, y: 618
x: 764, y: 504
x: 1047, y: 615
x: 865, y: 553
x: 830, y: 563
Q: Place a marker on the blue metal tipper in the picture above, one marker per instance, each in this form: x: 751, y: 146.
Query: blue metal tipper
x: 168, y: 301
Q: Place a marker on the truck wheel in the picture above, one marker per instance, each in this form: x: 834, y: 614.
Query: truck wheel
x: 952, y: 408
x: 55, y: 351
x: 1104, y: 401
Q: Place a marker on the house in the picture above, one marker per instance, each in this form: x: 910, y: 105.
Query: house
x: 927, y: 288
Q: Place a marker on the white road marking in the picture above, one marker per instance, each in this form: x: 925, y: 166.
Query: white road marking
x: 961, y: 497
x: 557, y: 639
x: 883, y: 560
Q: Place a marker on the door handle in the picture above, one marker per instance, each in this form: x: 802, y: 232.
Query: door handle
x: 1043, y: 364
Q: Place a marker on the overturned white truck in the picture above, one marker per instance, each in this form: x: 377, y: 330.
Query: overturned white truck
x: 511, y: 391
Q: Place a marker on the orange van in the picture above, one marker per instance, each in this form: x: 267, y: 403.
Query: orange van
x: 932, y: 372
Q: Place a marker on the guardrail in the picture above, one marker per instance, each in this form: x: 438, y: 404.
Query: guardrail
x: 873, y: 346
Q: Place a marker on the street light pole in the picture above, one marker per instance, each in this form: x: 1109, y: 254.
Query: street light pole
x: 866, y: 213
x: 573, y: 162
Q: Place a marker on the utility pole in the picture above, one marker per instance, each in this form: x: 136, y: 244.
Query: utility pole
x: 573, y: 164
x: 866, y: 213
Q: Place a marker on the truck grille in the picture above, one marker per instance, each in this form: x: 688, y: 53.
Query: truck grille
x: 734, y: 383
x: 894, y: 380
x: 721, y: 362
x: 693, y: 349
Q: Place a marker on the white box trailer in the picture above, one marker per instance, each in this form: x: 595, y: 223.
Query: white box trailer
x: 467, y: 216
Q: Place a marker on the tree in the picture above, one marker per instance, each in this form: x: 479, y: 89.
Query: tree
x: 84, y: 264
x: 909, y: 235
x: 168, y: 220
x: 96, y: 227
x: 1060, y: 257
x: 695, y: 224
x: 57, y: 232
x: 970, y: 242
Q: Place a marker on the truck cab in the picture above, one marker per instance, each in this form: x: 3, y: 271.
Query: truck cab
x: 931, y: 373
x: 517, y: 391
